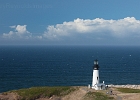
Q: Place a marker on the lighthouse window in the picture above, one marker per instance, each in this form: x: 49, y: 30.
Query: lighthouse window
x: 97, y: 78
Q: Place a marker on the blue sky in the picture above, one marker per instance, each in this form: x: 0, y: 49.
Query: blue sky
x: 70, y: 22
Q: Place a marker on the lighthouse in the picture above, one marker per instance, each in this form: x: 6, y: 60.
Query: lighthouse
x: 96, y: 80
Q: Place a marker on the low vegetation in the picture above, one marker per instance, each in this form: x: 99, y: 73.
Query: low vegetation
x: 97, y: 96
x: 128, y: 90
x: 37, y: 92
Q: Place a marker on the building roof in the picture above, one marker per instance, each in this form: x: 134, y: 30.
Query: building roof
x: 100, y: 84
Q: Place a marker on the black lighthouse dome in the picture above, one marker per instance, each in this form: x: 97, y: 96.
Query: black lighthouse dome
x: 96, y: 66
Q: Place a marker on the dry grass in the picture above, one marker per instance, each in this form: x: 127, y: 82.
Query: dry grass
x: 97, y: 96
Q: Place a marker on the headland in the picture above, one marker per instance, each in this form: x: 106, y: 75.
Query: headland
x: 113, y: 92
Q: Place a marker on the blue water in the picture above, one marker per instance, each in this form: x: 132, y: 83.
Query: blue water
x: 29, y: 66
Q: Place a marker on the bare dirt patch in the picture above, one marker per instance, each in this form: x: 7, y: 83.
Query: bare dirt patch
x: 9, y: 96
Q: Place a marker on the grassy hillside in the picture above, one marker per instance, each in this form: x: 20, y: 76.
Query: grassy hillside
x: 37, y: 92
x: 128, y: 90
x: 66, y: 93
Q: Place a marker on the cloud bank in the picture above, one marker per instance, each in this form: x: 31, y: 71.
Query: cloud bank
x: 87, y: 31
x: 97, y: 27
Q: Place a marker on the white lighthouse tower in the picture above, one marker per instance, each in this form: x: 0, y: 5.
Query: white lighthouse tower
x: 96, y: 80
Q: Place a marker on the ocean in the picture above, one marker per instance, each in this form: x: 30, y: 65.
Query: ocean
x: 31, y: 66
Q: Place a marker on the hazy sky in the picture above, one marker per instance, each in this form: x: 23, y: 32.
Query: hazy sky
x: 68, y: 22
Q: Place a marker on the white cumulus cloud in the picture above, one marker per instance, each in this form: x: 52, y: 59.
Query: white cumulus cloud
x: 14, y: 26
x: 96, y: 28
x: 20, y: 31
